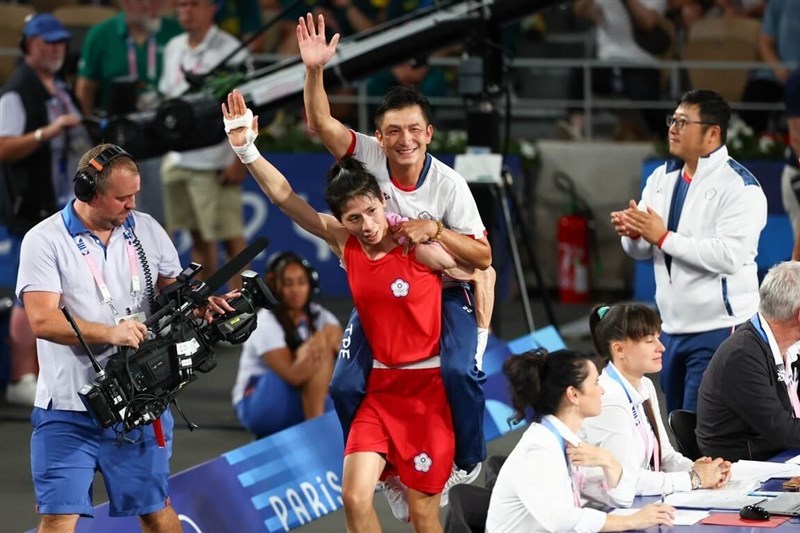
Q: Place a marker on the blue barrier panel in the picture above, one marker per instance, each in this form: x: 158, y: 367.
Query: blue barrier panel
x: 294, y: 477
x: 774, y: 246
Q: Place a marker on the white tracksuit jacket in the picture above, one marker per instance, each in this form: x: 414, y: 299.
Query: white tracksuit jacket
x: 713, y: 281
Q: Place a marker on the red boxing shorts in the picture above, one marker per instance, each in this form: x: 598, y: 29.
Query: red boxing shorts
x: 405, y: 416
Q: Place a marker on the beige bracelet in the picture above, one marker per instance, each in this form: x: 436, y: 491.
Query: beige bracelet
x: 439, y: 229
x: 38, y: 135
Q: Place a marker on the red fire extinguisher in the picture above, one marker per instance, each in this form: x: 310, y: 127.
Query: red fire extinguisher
x: 574, y: 241
x: 573, y: 259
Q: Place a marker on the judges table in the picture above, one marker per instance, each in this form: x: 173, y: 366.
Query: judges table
x: 793, y: 524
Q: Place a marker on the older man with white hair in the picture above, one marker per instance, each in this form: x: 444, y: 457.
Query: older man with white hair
x: 748, y: 405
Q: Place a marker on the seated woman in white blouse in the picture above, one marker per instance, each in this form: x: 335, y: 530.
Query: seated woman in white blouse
x: 625, y: 336
x: 545, y: 481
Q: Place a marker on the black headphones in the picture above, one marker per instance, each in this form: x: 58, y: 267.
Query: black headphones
x: 281, y: 260
x: 86, y: 178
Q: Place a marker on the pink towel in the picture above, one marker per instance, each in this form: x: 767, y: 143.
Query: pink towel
x: 394, y: 219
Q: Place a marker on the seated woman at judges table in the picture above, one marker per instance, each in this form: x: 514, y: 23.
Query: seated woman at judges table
x: 748, y: 406
x: 625, y: 336
x: 544, y: 482
x: 287, y: 363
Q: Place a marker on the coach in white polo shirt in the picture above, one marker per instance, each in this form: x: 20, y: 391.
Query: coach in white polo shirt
x: 202, y: 187
x: 102, y: 260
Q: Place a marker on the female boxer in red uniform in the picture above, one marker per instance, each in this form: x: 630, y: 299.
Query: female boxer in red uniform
x: 404, y: 424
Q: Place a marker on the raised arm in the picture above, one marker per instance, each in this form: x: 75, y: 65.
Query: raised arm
x: 274, y: 184
x: 316, y: 53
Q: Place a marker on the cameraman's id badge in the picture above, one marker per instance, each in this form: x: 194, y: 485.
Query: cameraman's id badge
x: 138, y: 317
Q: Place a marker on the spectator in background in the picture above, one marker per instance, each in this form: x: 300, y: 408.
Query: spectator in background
x: 124, y: 50
x: 345, y: 17
x: 699, y: 219
x: 202, y: 187
x: 778, y: 45
x: 430, y: 81
x: 740, y: 8
x: 748, y: 406
x: 240, y: 18
x: 640, y: 80
x: 286, y: 364
x: 41, y: 141
x: 790, y: 181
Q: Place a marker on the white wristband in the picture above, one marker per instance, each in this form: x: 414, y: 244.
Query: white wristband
x: 483, y: 338
x: 247, y: 152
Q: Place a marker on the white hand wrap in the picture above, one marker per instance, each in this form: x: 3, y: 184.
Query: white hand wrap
x: 483, y: 338
x: 247, y: 152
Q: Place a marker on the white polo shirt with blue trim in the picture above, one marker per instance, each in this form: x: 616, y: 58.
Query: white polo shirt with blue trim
x: 50, y: 261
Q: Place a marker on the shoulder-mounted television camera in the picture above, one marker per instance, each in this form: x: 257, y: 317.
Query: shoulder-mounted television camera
x: 136, y: 387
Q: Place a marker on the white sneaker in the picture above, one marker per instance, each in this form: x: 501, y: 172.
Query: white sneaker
x: 397, y: 495
x: 23, y: 392
x: 457, y: 477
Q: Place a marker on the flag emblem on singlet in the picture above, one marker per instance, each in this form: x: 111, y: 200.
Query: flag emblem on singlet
x: 400, y: 288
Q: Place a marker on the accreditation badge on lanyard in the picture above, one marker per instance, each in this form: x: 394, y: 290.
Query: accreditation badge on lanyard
x: 102, y: 286
x: 575, y: 475
x: 148, y: 96
x: 648, y: 437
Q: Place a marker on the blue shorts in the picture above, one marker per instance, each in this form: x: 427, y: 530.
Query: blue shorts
x: 67, y: 447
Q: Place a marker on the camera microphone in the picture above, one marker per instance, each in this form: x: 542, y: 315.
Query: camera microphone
x: 232, y: 267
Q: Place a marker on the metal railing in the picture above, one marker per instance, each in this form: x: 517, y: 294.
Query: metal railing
x: 551, y: 108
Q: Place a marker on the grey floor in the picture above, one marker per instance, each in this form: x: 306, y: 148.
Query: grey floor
x: 207, y: 402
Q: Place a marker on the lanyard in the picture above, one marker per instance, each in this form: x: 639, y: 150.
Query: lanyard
x: 650, y: 441
x: 133, y: 68
x: 785, y: 375
x: 576, y: 493
x: 59, y: 105
x: 98, y: 276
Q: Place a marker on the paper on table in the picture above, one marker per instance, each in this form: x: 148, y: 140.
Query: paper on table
x: 717, y: 499
x: 794, y: 460
x: 762, y: 470
x: 682, y: 516
x: 740, y: 486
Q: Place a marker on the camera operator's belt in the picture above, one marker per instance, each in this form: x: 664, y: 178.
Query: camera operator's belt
x: 432, y: 362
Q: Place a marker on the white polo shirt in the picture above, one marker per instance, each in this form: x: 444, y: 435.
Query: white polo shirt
x: 535, y: 488
x: 50, y: 261
x: 180, y: 57
x: 615, y: 32
x: 269, y: 336
x: 442, y: 193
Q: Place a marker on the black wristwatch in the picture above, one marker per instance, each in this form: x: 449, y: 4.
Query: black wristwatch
x: 695, y: 477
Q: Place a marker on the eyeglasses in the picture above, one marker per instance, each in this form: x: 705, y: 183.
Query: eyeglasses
x: 681, y: 123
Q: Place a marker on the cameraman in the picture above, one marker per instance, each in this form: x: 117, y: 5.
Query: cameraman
x: 98, y: 257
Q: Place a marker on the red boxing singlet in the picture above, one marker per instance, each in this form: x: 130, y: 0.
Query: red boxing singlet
x: 399, y: 301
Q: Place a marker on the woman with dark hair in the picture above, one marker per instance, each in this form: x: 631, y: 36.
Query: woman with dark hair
x: 625, y: 336
x: 286, y: 364
x: 549, y: 475
x: 397, y: 291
